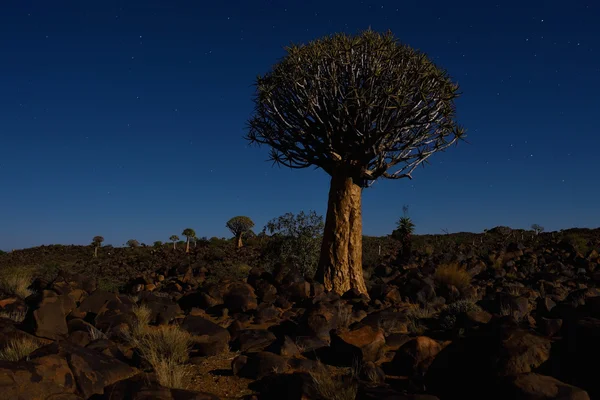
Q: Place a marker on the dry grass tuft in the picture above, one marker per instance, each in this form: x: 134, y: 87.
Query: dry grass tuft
x: 16, y: 315
x: 166, y: 348
x: 452, y: 274
x: 18, y: 348
x: 142, y: 319
x: 330, y: 387
x: 16, y: 281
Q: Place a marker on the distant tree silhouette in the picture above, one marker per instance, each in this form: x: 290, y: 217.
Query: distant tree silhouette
x: 403, y: 232
x: 133, y: 243
x: 361, y: 108
x: 158, y: 244
x: 188, y: 233
x: 97, y: 240
x: 174, y: 239
x: 537, y: 228
x: 239, y: 226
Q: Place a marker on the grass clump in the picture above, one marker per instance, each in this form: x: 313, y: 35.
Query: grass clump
x: 166, y: 348
x: 330, y: 387
x: 452, y: 275
x: 16, y: 282
x: 18, y: 348
x: 448, y: 317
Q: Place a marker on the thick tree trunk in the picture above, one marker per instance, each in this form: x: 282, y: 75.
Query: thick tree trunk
x: 187, y: 245
x: 239, y: 243
x: 173, y: 245
x: 95, y: 251
x: 340, y: 263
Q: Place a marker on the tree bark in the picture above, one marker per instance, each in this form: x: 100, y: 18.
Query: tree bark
x: 95, y: 251
x: 239, y: 243
x: 340, y: 263
x: 173, y: 245
x: 187, y: 245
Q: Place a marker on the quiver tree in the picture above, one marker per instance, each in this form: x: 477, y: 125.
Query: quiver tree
x: 133, y: 243
x: 360, y: 108
x: 239, y: 226
x: 97, y: 241
x: 174, y: 239
x: 189, y: 233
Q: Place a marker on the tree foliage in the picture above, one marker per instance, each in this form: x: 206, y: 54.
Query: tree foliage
x: 189, y: 233
x: 367, y: 103
x: 174, y: 238
x: 296, y: 239
x: 537, y: 228
x: 133, y: 243
x: 97, y: 240
x: 239, y: 225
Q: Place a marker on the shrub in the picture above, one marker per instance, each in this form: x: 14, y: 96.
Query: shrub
x: 142, y: 319
x: 16, y: 281
x: 330, y: 387
x: 296, y: 240
x: 452, y: 274
x: 166, y: 348
x: 18, y: 348
x: 448, y: 315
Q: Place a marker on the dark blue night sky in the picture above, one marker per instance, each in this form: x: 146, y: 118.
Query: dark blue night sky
x: 125, y: 118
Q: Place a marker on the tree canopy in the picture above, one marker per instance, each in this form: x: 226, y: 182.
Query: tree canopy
x: 365, y: 102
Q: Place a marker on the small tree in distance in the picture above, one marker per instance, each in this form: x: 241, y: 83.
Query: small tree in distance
x: 189, y: 233
x: 404, y: 231
x: 239, y: 226
x: 360, y: 108
x: 97, y: 243
x: 537, y: 229
x: 133, y: 243
x: 174, y: 239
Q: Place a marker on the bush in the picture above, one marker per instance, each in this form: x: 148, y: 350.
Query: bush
x: 448, y: 316
x: 330, y: 387
x: 16, y: 281
x: 18, y: 348
x: 166, y: 348
x: 296, y: 241
x: 452, y: 274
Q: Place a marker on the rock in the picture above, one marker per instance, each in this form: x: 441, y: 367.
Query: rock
x: 37, y: 379
x: 253, y: 340
x: 95, y: 301
x: 468, y: 367
x: 362, y: 345
x: 370, y: 372
x: 545, y: 305
x: 284, y: 347
x: 258, y: 365
x: 50, y: 319
x: 266, y: 313
x: 389, y: 321
x: 266, y: 292
x: 93, y: 371
x: 213, y: 340
x: 415, y: 356
x: 533, y: 386
x: 550, y: 326
x: 240, y: 297
x: 163, y: 310
x: 144, y: 387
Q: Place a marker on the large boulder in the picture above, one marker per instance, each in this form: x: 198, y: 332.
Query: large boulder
x: 362, y: 345
x: 211, y: 339
x: 38, y: 379
x: 93, y: 371
x: 415, y: 356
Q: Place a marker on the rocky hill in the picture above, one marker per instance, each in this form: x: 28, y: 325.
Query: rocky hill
x: 508, y: 314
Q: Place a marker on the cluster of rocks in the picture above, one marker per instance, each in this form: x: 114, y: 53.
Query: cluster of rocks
x: 526, y: 328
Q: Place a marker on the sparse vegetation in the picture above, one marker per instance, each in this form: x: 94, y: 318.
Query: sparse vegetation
x: 452, y: 274
x: 18, y: 348
x: 332, y: 387
x: 16, y: 281
x: 166, y: 348
x: 133, y: 243
x: 296, y: 240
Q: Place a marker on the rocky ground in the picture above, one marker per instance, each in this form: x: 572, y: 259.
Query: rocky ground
x: 518, y: 320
